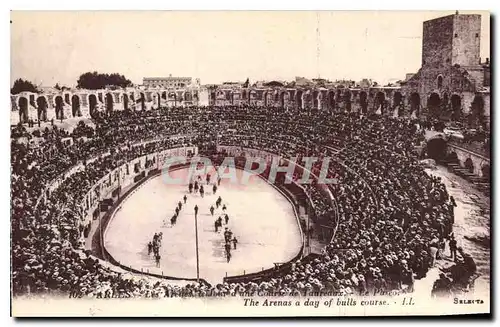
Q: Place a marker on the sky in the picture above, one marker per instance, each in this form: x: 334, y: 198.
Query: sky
x: 57, y: 47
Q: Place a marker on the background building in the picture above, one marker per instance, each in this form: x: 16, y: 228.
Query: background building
x: 167, y: 82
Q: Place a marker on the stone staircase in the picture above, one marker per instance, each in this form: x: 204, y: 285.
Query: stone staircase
x: 481, y: 183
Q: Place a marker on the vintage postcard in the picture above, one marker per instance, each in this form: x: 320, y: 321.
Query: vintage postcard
x: 250, y: 163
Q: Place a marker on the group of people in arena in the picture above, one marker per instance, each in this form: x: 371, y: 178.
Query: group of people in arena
x: 386, y: 211
x: 154, y: 247
x: 229, y: 239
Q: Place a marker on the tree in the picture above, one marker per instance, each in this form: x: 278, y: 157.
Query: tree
x: 21, y: 85
x: 96, y: 81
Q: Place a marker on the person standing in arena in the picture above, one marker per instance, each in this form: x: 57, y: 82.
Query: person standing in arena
x: 196, y: 210
x: 185, y: 198
x: 218, y: 202
x: 158, y: 258
x: 224, y: 208
x: 208, y: 179
x: 196, y: 186
x: 453, y: 248
x: 214, y: 189
x: 202, y: 190
x: 190, y: 187
x: 212, y: 210
x: 179, y: 205
x: 226, y: 218
x: 227, y: 247
x: 150, y: 248
x: 235, y: 241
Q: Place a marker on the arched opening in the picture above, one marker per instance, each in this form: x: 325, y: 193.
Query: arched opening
x: 380, y: 102
x: 179, y: 96
x: 433, y: 104
x: 92, y: 105
x: 132, y: 100
x: 469, y: 165
x: 282, y: 99
x: 23, y: 109
x: 440, y: 81
x: 125, y: 102
x: 456, y: 107
x: 436, y: 149
x: 244, y: 95
x: 347, y: 100
x: 338, y: 96
x: 363, y: 102
x: 315, y: 95
x: 264, y: 96
x: 59, y: 107
x: 251, y: 95
x: 298, y: 99
x: 158, y: 96
x: 398, y: 102
x: 142, y: 100
x: 42, y: 106
x: 189, y: 97
x: 109, y: 102
x: 164, y: 95
x: 477, y: 107
x: 398, y: 99
x: 485, y: 171
x: 330, y: 100
x: 415, y: 104
x: 307, y: 98
x: 75, y: 106
x: 277, y: 96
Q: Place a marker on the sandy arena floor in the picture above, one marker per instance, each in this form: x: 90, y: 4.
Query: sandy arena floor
x: 261, y: 218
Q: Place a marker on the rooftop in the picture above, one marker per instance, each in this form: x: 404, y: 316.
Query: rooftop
x: 170, y: 78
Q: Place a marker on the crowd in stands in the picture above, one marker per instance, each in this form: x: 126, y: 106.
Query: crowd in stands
x: 384, y: 210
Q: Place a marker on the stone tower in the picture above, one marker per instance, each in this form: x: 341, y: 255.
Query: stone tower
x: 451, y: 40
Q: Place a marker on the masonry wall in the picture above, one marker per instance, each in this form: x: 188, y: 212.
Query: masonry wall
x: 466, y: 40
x: 437, y: 42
